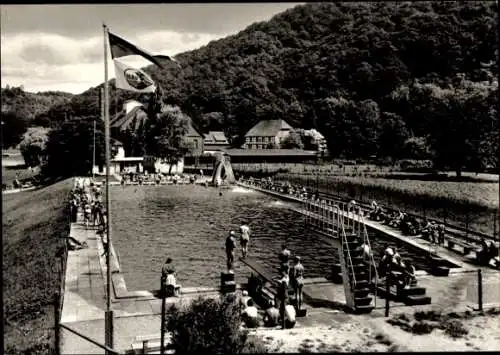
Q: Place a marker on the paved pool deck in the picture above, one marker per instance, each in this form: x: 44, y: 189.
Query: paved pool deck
x: 138, y: 313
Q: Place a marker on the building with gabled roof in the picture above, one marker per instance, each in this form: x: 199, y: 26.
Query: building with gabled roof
x: 215, y: 141
x: 266, y: 134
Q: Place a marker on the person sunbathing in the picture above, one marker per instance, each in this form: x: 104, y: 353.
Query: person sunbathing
x: 250, y: 315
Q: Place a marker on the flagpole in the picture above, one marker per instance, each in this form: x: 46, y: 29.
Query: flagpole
x: 109, y: 311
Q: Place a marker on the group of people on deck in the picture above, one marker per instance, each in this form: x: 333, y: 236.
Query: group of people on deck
x: 278, y: 310
x: 85, y: 196
x: 392, y: 261
x: 409, y: 225
x: 88, y: 198
x: 282, y: 187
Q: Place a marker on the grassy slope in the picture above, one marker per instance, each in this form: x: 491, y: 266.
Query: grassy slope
x: 33, y: 224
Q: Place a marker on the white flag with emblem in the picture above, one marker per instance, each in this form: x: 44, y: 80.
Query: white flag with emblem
x: 132, y: 79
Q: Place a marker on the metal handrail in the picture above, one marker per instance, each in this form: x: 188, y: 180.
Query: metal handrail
x: 344, y: 241
x: 366, y: 239
x: 102, y: 346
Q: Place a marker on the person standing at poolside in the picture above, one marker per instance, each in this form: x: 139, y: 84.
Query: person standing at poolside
x: 298, y: 280
x: 230, y: 246
x: 244, y: 238
x: 284, y: 257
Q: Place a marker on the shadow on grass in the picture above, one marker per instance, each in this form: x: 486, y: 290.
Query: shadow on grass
x: 323, y: 303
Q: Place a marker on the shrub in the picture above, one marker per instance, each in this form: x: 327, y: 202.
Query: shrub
x: 422, y: 328
x: 430, y: 315
x: 209, y: 326
x: 455, y: 328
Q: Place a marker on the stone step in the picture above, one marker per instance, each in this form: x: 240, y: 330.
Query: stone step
x: 363, y: 309
x: 361, y: 292
x: 362, y: 301
x: 417, y: 300
x: 440, y: 271
x: 413, y: 291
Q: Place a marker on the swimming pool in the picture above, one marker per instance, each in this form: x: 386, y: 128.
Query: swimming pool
x: 190, y: 224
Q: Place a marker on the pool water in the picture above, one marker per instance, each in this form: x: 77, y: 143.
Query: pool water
x: 190, y: 224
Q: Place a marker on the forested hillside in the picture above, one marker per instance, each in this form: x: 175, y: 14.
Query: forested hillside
x: 21, y: 109
x: 375, y: 78
x: 28, y: 105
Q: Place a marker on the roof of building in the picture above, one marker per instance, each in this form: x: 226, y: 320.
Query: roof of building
x: 216, y: 137
x: 270, y: 152
x: 268, y: 128
x: 123, y: 120
x: 115, y: 142
x: 193, y: 130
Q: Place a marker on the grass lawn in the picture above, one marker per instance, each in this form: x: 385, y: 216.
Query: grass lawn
x: 34, y: 223
x: 9, y: 174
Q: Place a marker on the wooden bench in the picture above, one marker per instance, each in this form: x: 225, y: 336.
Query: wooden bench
x: 451, y: 242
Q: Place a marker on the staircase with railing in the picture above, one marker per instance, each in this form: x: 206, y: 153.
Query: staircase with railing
x: 356, y: 275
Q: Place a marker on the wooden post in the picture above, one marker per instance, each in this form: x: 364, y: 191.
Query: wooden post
x: 480, y: 289
x: 495, y: 225
x: 467, y: 222
x: 387, y: 292
x: 57, y: 328
x: 162, y: 335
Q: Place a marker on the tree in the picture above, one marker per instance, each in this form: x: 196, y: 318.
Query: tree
x: 69, y: 148
x: 392, y: 136
x: 13, y: 128
x: 464, y: 119
x: 164, y: 135
x: 416, y: 148
x: 352, y: 128
x: 292, y: 141
x: 33, y: 145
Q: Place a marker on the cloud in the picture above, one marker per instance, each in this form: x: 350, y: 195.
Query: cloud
x: 81, y: 21
x: 46, y: 61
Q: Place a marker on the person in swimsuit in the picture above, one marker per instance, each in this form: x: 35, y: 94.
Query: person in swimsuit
x: 284, y: 256
x: 244, y: 239
x: 298, y: 280
x: 230, y: 246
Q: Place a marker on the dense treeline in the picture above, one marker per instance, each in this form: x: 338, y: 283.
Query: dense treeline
x: 22, y: 109
x: 384, y: 79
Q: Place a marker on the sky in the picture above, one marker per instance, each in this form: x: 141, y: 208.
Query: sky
x: 60, y: 47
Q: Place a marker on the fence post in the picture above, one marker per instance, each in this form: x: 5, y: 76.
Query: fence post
x: 387, y: 292
x: 495, y: 226
x: 57, y: 329
x: 162, y: 337
x: 467, y: 221
x: 480, y: 289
